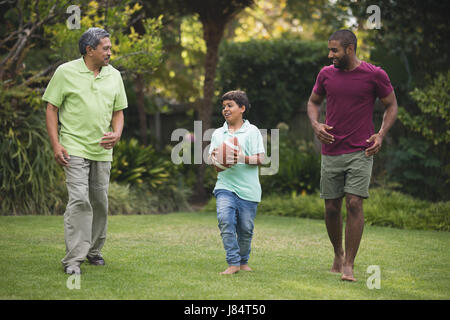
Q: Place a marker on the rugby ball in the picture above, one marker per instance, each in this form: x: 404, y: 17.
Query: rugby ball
x: 225, y: 152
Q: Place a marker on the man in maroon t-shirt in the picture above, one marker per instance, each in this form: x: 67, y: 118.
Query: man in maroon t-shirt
x: 348, y: 140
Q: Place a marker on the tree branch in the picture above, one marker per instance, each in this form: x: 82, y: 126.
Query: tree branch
x: 42, y: 73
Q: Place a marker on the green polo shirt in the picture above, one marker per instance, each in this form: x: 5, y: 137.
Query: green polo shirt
x: 86, y: 104
x: 242, y: 179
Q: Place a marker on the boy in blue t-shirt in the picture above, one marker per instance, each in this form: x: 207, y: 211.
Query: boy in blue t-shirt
x: 237, y: 189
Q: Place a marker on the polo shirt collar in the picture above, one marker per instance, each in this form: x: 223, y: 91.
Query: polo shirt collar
x: 84, y: 69
x: 244, y: 127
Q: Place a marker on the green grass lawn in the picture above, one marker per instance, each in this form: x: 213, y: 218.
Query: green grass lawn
x: 180, y: 255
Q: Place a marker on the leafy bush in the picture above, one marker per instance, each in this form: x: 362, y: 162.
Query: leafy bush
x: 124, y: 199
x: 121, y: 200
x: 434, y: 103
x: 278, y: 75
x: 153, y: 182
x: 135, y: 165
x: 189, y: 175
x: 299, y: 167
x: 417, y: 169
x: 383, y: 208
x: 422, y: 162
x: 398, y: 210
x: 285, y: 205
x: 31, y: 181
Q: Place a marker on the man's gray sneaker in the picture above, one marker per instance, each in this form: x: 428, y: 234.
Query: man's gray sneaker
x: 72, y: 270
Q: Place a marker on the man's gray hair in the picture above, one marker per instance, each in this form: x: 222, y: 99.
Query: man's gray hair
x: 91, y: 38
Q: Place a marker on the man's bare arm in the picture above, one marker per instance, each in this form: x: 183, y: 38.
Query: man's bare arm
x: 390, y: 114
x: 110, y: 139
x: 51, y: 119
x: 320, y: 129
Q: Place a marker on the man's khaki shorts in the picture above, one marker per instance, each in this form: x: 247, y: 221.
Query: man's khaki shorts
x: 345, y: 173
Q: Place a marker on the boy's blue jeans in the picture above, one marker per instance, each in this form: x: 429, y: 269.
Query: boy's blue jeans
x: 236, y: 221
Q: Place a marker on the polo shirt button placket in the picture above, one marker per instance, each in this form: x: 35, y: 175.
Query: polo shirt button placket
x: 94, y: 86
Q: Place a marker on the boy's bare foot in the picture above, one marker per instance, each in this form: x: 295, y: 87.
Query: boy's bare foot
x: 337, y: 264
x: 245, y: 267
x: 347, y: 274
x: 231, y: 270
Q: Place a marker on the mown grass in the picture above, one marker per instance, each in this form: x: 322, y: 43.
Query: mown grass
x: 180, y: 255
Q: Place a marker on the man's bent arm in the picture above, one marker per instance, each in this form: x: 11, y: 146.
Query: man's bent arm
x: 117, y: 122
x: 110, y: 139
x: 320, y: 129
x: 313, y: 108
x: 390, y: 114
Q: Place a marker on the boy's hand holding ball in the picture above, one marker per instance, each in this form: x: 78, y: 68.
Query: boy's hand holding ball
x: 227, y: 154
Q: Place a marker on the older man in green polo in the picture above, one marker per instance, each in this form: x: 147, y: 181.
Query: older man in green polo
x: 89, y: 96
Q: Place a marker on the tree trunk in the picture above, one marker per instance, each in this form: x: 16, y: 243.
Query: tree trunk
x: 158, y: 136
x: 140, y: 102
x: 212, y: 33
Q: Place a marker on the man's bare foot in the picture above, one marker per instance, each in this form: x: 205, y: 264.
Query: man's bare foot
x: 245, y: 267
x: 337, y: 264
x: 347, y: 274
x: 231, y: 270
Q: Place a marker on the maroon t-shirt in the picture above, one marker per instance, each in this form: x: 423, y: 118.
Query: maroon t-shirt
x: 350, y: 100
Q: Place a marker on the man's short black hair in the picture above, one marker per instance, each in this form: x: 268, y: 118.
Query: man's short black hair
x: 240, y: 97
x: 345, y: 37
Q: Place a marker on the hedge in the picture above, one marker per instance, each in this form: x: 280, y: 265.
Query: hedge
x: 383, y: 208
x: 277, y: 75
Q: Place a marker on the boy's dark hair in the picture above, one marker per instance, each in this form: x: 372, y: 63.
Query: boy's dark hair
x: 346, y: 37
x: 240, y: 97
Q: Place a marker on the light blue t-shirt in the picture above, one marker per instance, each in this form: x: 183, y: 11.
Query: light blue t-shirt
x: 242, y: 179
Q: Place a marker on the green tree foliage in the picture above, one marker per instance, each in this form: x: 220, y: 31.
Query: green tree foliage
x: 131, y: 51
x: 24, y: 21
x: 417, y: 31
x: 320, y: 17
x: 179, y: 76
x: 433, y: 123
x: 265, y: 20
x: 421, y: 162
